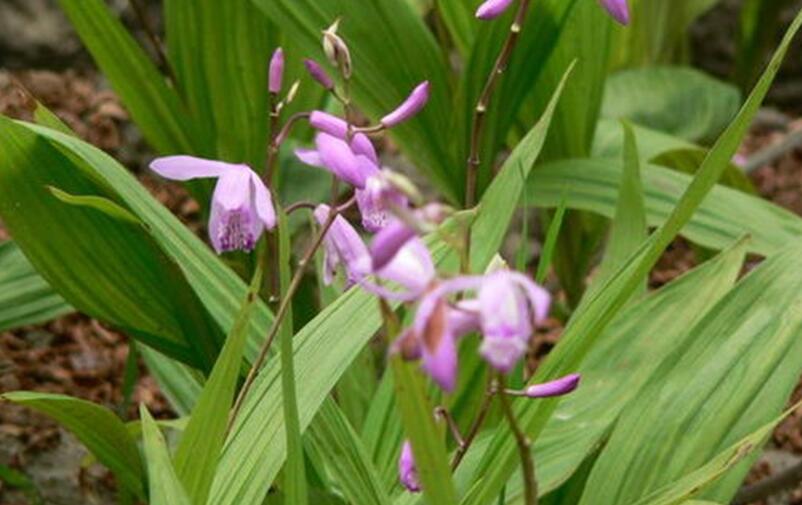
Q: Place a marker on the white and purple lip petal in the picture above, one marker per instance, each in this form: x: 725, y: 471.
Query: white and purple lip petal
x: 343, y: 246
x: 241, y: 207
x: 376, y: 200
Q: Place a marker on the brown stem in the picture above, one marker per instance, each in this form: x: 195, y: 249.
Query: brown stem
x: 480, y: 111
x: 155, y: 41
x: 273, y: 281
x: 303, y: 204
x: 462, y: 449
x: 285, y: 132
x: 443, y: 413
x: 283, y: 309
x: 524, y: 447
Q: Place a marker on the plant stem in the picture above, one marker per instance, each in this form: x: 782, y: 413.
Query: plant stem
x: 273, y: 283
x: 462, y: 449
x: 155, y: 41
x: 480, y: 112
x: 443, y: 413
x: 524, y: 446
x: 283, y: 309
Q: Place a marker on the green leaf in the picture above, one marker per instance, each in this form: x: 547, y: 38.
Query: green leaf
x: 165, y: 488
x: 102, y: 432
x: 25, y: 298
x: 721, y: 219
x: 628, y: 229
x: 220, y: 290
x: 99, y: 203
x: 346, y: 457
x: 729, y: 374
x: 206, y: 430
x: 550, y: 242
x: 180, y: 384
x: 496, y: 212
x: 390, y: 59
x: 689, y: 160
x: 458, y: 17
x: 596, y: 311
x: 428, y: 444
x: 104, y: 266
x: 154, y: 107
x: 679, y: 101
x: 689, y: 485
x: 18, y: 480
x: 222, y: 73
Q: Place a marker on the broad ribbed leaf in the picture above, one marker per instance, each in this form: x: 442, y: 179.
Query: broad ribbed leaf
x: 25, y: 298
x: 109, y: 268
x: 595, y: 313
x: 220, y: 290
x: 721, y: 219
x: 102, y: 432
x: 730, y: 374
x: 155, y: 108
x: 346, y: 457
x: 676, y: 100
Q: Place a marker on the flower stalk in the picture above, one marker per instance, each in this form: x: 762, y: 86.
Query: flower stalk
x: 480, y: 112
x: 523, y: 443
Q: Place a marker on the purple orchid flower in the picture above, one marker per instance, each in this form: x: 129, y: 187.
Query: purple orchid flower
x: 319, y: 74
x: 411, y: 268
x: 336, y: 156
x: 618, y: 9
x: 342, y: 245
x: 375, y: 202
x: 407, y: 471
x: 559, y: 387
x: 492, y: 9
x: 338, y: 127
x: 411, y: 106
x: 276, y: 72
x: 388, y: 241
x: 242, y: 207
x: 509, y: 304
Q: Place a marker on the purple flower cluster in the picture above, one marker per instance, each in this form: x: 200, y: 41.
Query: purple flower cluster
x: 491, y: 9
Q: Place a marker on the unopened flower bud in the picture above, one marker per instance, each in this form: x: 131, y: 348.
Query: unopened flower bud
x: 411, y: 106
x: 407, y: 470
x: 337, y: 50
x: 557, y: 387
x: 492, y: 9
x: 276, y: 72
x: 318, y: 74
x: 618, y: 9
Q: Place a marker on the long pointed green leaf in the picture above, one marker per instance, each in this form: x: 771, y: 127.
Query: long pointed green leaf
x: 102, y: 432
x: 595, y: 313
x: 205, y: 432
x: 165, y: 488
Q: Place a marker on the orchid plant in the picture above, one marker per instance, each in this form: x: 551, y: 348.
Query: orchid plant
x: 357, y: 331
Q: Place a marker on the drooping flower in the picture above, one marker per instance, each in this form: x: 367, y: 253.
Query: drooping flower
x: 407, y: 471
x: 388, y: 241
x: 411, y: 106
x: 509, y: 303
x: 319, y: 74
x: 275, y: 75
x: 492, y: 9
x: 375, y: 202
x: 342, y: 245
x: 559, y: 387
x: 411, y: 268
x: 242, y: 207
x: 618, y: 9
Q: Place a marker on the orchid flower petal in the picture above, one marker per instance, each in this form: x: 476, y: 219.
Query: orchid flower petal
x: 411, y: 106
x: 310, y: 157
x: 374, y: 202
x: 506, y: 321
x: 263, y: 202
x: 327, y: 123
x: 539, y: 298
x: 492, y: 9
x: 344, y: 242
x: 388, y: 241
x: 557, y: 387
x: 362, y: 145
x: 184, y: 168
x: 338, y: 157
x: 411, y: 268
